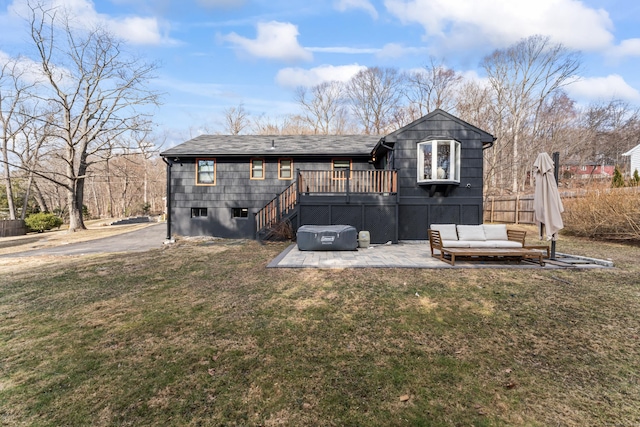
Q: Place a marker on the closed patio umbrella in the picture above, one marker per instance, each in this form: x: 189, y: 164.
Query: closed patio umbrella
x: 547, y: 205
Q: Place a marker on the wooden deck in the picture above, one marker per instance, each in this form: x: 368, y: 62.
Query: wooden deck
x: 326, y: 182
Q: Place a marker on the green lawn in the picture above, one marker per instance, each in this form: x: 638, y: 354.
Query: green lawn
x: 204, y: 334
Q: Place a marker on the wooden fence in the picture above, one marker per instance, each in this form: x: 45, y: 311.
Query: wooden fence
x: 14, y: 227
x: 511, y: 210
x: 519, y: 209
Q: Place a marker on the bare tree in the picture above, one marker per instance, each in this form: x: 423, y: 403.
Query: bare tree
x: 14, y: 93
x: 608, y: 129
x: 29, y: 150
x: 236, y: 120
x: 99, y: 92
x: 264, y: 125
x: 522, y: 77
x: 375, y: 95
x: 556, y: 124
x: 284, y: 125
x: 432, y: 87
x: 323, y: 107
x: 473, y: 105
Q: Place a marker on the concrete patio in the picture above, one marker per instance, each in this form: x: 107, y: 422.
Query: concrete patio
x: 411, y: 255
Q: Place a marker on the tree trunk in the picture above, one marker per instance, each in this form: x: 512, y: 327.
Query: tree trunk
x: 42, y: 204
x: 109, y: 192
x: 7, y: 182
x: 74, y: 199
x: 95, y: 199
x: 516, y: 160
x: 25, y: 202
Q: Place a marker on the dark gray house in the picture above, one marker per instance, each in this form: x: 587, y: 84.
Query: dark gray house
x: 394, y: 186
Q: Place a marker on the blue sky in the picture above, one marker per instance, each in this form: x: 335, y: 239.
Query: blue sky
x: 216, y: 54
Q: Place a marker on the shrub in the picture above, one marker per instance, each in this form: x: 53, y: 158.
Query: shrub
x: 43, y: 221
x: 618, y: 180
x: 611, y: 215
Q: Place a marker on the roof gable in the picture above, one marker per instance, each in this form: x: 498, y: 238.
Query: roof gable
x: 632, y: 151
x: 439, y: 114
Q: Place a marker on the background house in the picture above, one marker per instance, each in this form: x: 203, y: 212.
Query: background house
x: 585, y: 169
x: 393, y: 186
x: 634, y: 159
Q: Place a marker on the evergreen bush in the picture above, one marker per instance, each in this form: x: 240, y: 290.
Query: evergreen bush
x: 43, y: 221
x: 618, y: 180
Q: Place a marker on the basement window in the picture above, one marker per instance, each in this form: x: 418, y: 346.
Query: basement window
x: 239, y: 212
x: 439, y: 161
x: 198, y: 212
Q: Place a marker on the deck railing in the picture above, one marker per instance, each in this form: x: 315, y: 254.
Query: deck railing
x: 325, y: 182
x: 344, y: 181
x: 280, y: 206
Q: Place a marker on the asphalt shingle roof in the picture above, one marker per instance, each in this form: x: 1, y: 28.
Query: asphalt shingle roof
x: 261, y: 145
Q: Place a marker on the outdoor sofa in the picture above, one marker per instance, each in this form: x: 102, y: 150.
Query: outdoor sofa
x: 484, y: 240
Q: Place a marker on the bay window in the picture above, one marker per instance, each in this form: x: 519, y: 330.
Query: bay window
x: 439, y: 161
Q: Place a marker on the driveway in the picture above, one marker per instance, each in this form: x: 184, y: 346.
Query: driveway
x: 144, y: 239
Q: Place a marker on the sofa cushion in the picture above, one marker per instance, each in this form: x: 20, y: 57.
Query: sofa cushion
x: 495, y: 231
x: 483, y: 244
x: 503, y: 244
x: 447, y: 231
x: 471, y: 233
x: 455, y: 244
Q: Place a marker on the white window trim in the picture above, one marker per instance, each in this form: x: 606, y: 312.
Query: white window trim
x: 454, y: 161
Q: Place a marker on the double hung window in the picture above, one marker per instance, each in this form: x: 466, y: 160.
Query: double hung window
x: 285, y: 169
x: 205, y: 172
x: 257, y: 169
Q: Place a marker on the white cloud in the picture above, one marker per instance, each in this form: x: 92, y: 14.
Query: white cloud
x: 396, y: 50
x: 503, y: 22
x: 344, y: 49
x: 344, y: 5
x: 135, y: 29
x: 29, y: 71
x: 603, y: 88
x: 294, y: 77
x: 627, y: 48
x: 274, y: 40
x: 138, y: 30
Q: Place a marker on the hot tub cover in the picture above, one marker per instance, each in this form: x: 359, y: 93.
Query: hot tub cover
x: 327, y: 238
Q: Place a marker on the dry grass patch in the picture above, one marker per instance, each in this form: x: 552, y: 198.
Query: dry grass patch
x: 204, y: 334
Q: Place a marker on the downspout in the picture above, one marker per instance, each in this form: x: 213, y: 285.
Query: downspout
x: 169, y: 164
